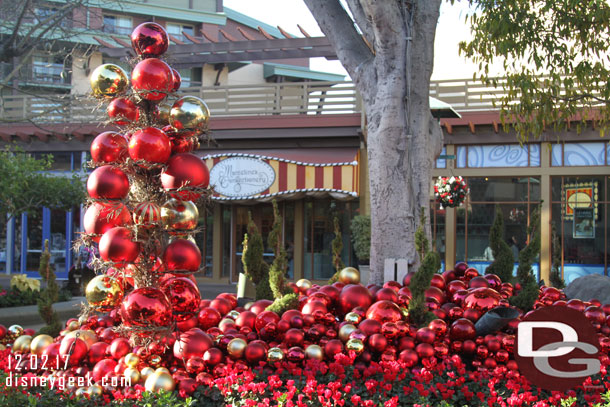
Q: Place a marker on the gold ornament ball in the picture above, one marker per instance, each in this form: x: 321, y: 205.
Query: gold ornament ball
x: 176, y: 236
x: 72, y: 326
x: 160, y: 381
x: 181, y: 215
x: 314, y: 352
x: 104, y: 293
x: 349, y: 275
x: 355, y: 345
x: 40, y: 343
x: 2, y: 347
x: 88, y: 336
x: 304, y: 284
x: 132, y: 360
x: 95, y: 390
x: 81, y: 391
x: 345, y: 331
x: 22, y: 344
x: 108, y: 80
x: 163, y: 110
x: 405, y: 313
x: 15, y: 330
x: 275, y: 355
x: 189, y: 113
x: 233, y: 314
x: 236, y: 348
x: 133, y: 375
x: 161, y: 370
x: 146, y: 371
x: 353, y: 318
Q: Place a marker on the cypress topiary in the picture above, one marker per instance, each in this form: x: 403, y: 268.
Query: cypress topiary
x: 503, y: 263
x: 49, y: 295
x: 529, y: 288
x: 421, y: 240
x: 337, y: 247
x: 252, y: 258
x: 555, y: 276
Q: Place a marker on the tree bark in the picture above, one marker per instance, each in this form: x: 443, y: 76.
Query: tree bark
x: 402, y: 136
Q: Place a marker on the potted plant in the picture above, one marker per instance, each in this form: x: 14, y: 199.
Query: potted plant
x: 361, y: 238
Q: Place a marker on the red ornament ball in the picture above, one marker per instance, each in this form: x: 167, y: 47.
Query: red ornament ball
x: 123, y: 111
x: 425, y: 335
x: 184, y: 296
x: 107, y: 182
x: 149, y: 39
x: 255, y: 352
x: 478, y: 282
x: 213, y: 356
x: 109, y: 147
x: 264, y: 318
x: 117, y: 245
x: 331, y: 348
x: 191, y: 343
x: 222, y: 305
x: 147, y: 214
x: 119, y: 347
x: 424, y: 350
x: 462, y: 329
x: 482, y: 299
x: 185, y: 171
x: 260, y: 305
x: 176, y: 80
x: 103, y: 368
x: 182, y: 256
x: 370, y: 326
x: 102, y: 216
x: 208, y: 317
x: 146, y: 306
x: 97, y: 352
x: 386, y: 294
x: 150, y: 145
x: 352, y: 296
x: 152, y: 79
x: 384, y: 311
x: 79, y: 350
x: 409, y: 357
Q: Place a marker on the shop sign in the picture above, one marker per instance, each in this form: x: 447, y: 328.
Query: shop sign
x: 241, y: 176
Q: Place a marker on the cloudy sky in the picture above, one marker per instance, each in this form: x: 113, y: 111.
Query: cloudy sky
x: 448, y: 64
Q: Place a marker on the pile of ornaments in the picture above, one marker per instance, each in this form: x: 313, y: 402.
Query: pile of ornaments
x: 369, y: 323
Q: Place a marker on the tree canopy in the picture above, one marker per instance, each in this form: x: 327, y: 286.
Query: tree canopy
x: 555, y: 57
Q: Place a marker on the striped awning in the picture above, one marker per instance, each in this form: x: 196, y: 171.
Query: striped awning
x: 284, y: 174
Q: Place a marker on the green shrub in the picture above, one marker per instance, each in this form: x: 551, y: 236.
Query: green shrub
x: 361, y: 237
x: 526, y: 298
x: 503, y: 263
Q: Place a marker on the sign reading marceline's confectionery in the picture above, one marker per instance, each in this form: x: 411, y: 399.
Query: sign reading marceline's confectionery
x: 241, y: 176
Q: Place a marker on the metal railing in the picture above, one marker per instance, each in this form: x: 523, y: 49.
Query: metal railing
x: 39, y: 73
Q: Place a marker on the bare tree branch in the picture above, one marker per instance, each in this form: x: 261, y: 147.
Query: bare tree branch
x: 12, y: 39
x: 363, y: 21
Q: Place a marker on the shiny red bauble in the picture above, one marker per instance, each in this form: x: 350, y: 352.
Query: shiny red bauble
x: 255, y: 352
x: 470, y: 273
x: 184, y: 296
x: 150, y: 145
x: 75, y: 348
x: 191, y: 343
x: 438, y: 281
x: 97, y: 352
x: 595, y: 314
x: 313, y: 307
x: 103, y: 368
x: 264, y: 318
x: 482, y: 299
x: 294, y: 337
x: 117, y: 245
x: 472, y: 314
x: 185, y: 171
x: 370, y: 326
x: 576, y: 304
x: 384, y: 311
x: 386, y: 294
x: 436, y: 293
x: 377, y: 342
x: 123, y: 111
x: 354, y: 295
x: 152, y: 79
x: 455, y: 286
x: 146, y: 306
x: 331, y: 348
x: 439, y: 327
x: 409, y: 357
x: 213, y: 356
x: 183, y: 144
x: 222, y: 305
x: 149, y: 39
x: 462, y: 329
x: 182, y: 256
x: 119, y: 348
x: 494, y: 281
x: 260, y: 305
x: 425, y: 335
x: 107, y: 182
x: 424, y: 350
x: 176, y: 80
x: 109, y: 147
x: 103, y: 216
x: 478, y: 282
x: 460, y: 269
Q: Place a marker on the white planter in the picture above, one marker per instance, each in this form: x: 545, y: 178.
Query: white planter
x: 365, y: 273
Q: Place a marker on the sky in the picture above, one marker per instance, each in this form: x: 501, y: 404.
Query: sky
x: 451, y: 29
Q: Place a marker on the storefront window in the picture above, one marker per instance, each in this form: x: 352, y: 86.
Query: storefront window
x: 580, y: 209
x: 580, y: 154
x: 503, y: 155
x: 206, y: 240
x: 437, y: 224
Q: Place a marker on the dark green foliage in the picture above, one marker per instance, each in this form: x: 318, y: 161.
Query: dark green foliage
x: 361, y: 237
x: 529, y: 288
x: 49, y: 296
x: 14, y: 297
x: 421, y: 240
x: 281, y: 305
x: 280, y: 263
x: 254, y: 264
x: 555, y: 276
x: 337, y: 247
x: 503, y: 263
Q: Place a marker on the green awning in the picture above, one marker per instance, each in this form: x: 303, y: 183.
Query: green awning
x: 271, y: 69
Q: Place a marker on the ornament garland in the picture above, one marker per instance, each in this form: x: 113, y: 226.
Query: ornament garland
x: 450, y: 192
x: 144, y: 192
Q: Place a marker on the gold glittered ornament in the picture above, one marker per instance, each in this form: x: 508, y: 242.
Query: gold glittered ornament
x: 160, y: 381
x: 275, y: 355
x: 108, y: 80
x: 345, y: 331
x: 22, y: 344
x: 133, y: 375
x: 349, y: 275
x: 189, y: 113
x: 314, y: 352
x: 355, y: 345
x: 353, y: 318
x: 181, y: 215
x: 304, y: 284
x: 40, y: 343
x: 236, y: 348
x: 104, y: 293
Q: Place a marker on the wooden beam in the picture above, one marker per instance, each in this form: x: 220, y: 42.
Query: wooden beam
x: 284, y: 33
x: 23, y: 136
x: 471, y: 126
x: 60, y: 136
x: 496, y: 127
x: 228, y: 36
x: 191, y: 38
x: 244, y: 34
x: 175, y: 40
x: 265, y: 33
x: 5, y: 136
x: 208, y: 36
x: 448, y: 127
x: 305, y: 33
x: 78, y: 135
x: 120, y: 41
x: 42, y: 136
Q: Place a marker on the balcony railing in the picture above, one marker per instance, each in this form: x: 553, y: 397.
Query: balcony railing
x: 39, y: 73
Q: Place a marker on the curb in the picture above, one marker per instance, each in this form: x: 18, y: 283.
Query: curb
x: 28, y: 315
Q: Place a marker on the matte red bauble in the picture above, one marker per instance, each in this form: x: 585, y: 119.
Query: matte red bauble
x: 482, y: 299
x: 187, y: 324
x: 478, y: 282
x: 384, y: 311
x: 107, y: 182
x: 182, y: 256
x: 193, y: 342
x: 103, y: 368
x: 424, y: 350
x: 354, y: 295
x: 79, y: 350
x: 222, y: 305
x: 146, y: 306
x: 109, y: 147
x: 409, y: 357
x: 149, y: 39
x: 370, y: 326
x: 386, y: 294
x: 152, y: 79
x: 265, y: 318
x: 185, y: 171
x: 184, y: 296
x: 117, y: 245
x: 97, y: 352
x: 119, y: 348
x: 462, y: 329
x: 103, y: 216
x: 260, y: 305
x: 123, y: 111
x: 150, y: 145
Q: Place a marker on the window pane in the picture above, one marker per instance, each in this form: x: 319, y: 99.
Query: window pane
x: 534, y: 155
x: 508, y: 155
x: 461, y: 157
x: 584, y: 154
x: 556, y: 155
x: 57, y: 243
x: 442, y: 162
x: 307, y: 253
x: 323, y: 234
x: 205, y: 240
x: 226, y: 240
x: 498, y: 189
x: 34, y: 241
